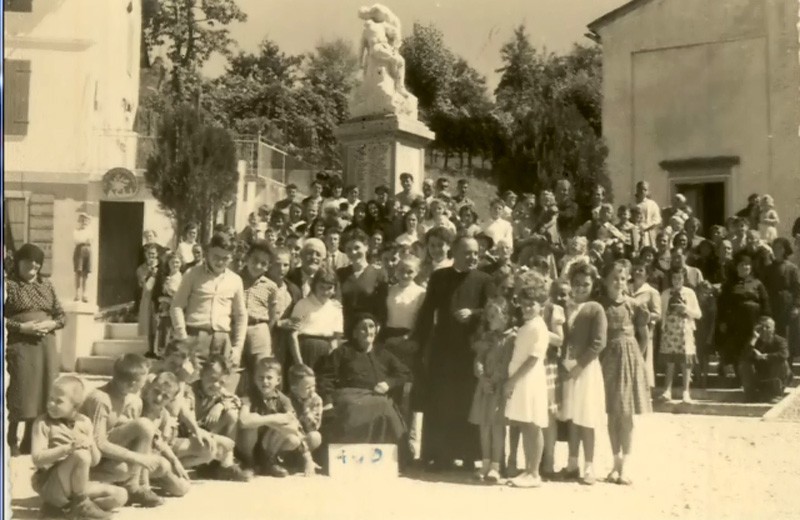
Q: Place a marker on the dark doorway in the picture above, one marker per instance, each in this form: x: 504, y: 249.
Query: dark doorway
x: 121, y: 226
x: 708, y: 201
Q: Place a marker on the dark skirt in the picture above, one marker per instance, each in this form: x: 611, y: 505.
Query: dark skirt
x: 362, y: 416
x: 403, y: 349
x: 313, y: 350
x: 33, y: 365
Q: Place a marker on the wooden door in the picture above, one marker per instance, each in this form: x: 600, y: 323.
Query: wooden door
x: 121, y: 226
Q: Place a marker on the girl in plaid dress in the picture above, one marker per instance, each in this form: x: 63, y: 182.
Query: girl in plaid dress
x: 555, y: 318
x: 627, y: 391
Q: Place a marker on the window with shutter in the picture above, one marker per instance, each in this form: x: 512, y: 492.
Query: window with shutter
x: 18, y: 6
x: 16, y: 215
x: 16, y: 95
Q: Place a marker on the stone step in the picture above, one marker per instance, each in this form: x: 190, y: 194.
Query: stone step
x: 122, y: 331
x: 90, y: 380
x: 701, y: 407
x: 95, y: 365
x: 117, y: 347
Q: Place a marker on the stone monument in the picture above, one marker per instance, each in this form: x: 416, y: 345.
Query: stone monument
x: 383, y: 137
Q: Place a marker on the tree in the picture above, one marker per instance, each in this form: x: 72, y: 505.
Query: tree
x: 429, y: 66
x: 548, y: 116
x: 329, y: 77
x: 296, y: 101
x: 256, y: 93
x: 189, y: 32
x: 192, y: 172
x: 453, y: 97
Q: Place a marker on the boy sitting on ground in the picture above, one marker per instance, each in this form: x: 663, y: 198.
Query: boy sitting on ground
x: 268, y: 426
x: 307, y: 405
x: 124, y: 438
x: 194, y: 445
x: 63, y: 451
x: 157, y: 394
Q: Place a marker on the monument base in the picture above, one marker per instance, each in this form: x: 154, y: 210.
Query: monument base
x: 375, y: 151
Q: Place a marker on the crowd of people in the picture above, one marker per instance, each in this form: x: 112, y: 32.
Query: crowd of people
x: 407, y: 320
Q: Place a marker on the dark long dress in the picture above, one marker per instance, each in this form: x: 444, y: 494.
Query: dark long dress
x: 445, y: 381
x: 782, y: 281
x: 742, y: 301
x: 33, y: 361
x: 360, y: 415
x: 365, y: 293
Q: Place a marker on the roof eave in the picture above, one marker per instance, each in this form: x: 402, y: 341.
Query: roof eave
x: 617, y: 13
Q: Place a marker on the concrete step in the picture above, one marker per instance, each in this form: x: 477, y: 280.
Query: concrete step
x: 117, y: 347
x: 713, y: 364
x: 122, y: 331
x: 95, y: 365
x: 701, y: 407
x: 90, y: 380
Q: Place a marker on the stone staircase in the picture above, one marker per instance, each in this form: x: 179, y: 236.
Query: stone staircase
x: 715, y: 400
x: 120, y: 338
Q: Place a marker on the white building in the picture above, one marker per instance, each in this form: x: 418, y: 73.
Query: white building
x: 71, y: 96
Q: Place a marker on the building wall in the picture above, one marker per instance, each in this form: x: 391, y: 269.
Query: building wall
x: 695, y: 79
x: 82, y: 97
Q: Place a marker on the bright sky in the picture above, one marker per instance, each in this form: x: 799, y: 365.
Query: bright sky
x: 474, y: 29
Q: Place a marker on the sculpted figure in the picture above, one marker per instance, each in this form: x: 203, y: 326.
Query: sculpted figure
x: 382, y: 90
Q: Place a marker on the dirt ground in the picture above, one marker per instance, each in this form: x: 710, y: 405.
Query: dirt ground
x: 693, y: 467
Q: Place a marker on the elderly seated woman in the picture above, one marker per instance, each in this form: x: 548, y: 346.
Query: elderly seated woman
x: 358, y: 380
x: 763, y: 366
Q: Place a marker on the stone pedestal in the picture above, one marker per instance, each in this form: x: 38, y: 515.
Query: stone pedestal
x: 79, y: 333
x: 377, y: 150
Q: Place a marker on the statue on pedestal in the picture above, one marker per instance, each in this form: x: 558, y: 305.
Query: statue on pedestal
x: 382, y: 90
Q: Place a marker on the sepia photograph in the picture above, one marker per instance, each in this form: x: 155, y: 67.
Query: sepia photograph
x: 413, y: 260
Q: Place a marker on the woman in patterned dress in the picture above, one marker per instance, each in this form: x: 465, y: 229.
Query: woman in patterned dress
x: 680, y: 311
x: 32, y: 312
x: 626, y: 388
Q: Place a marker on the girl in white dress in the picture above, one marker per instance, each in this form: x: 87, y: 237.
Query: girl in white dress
x: 583, y: 399
x: 526, y: 388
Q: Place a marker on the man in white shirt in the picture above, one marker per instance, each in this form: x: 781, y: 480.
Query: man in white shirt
x: 651, y: 214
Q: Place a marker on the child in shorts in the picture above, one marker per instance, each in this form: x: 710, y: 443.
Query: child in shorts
x: 307, y: 406
x: 193, y: 444
x: 124, y: 438
x: 268, y: 426
x: 157, y: 394
x: 63, y: 451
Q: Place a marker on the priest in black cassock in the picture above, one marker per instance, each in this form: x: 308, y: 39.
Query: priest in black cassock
x: 445, y: 378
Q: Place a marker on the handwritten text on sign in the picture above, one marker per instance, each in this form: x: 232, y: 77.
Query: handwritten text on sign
x: 363, y: 460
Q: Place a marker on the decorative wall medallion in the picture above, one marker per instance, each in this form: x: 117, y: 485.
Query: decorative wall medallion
x: 120, y: 183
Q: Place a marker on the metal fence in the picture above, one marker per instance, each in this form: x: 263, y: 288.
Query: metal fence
x: 267, y: 161
x: 264, y: 160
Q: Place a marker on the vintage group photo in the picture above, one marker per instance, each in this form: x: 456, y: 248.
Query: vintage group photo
x: 444, y: 259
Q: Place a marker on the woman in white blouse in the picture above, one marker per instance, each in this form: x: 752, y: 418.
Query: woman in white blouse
x: 318, y: 320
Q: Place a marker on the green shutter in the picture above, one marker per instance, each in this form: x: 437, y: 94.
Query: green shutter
x: 19, y: 6
x: 17, y: 74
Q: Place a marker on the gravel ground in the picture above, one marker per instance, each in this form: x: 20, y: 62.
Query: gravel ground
x: 692, y: 467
